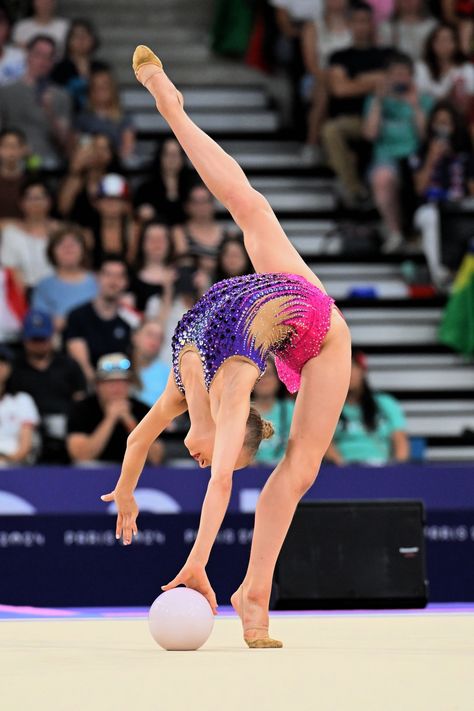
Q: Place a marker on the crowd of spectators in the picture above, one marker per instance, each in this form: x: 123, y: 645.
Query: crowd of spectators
x: 374, y: 78
x: 97, y: 263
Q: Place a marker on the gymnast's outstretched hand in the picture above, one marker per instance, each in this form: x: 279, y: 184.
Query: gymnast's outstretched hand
x: 193, y: 575
x: 127, y: 512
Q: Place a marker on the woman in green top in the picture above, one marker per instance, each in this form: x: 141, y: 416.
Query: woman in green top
x: 395, y: 121
x: 275, y: 410
x: 371, y: 429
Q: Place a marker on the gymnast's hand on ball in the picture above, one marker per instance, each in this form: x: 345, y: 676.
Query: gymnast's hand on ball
x: 127, y: 510
x: 193, y: 575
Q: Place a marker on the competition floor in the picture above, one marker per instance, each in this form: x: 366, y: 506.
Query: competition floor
x: 105, y: 660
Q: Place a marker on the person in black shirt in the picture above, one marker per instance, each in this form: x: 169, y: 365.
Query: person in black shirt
x: 74, y: 70
x: 353, y: 74
x: 96, y: 328
x: 99, y: 425
x: 162, y: 196
x: 53, y: 380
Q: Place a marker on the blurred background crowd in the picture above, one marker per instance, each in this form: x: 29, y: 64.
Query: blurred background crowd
x: 102, y: 249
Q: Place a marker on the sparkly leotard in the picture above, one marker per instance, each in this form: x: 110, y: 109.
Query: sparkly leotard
x: 249, y: 317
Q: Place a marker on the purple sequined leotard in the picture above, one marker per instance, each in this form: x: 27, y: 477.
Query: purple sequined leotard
x: 250, y: 317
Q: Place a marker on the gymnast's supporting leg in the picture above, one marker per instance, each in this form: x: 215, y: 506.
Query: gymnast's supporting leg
x: 325, y: 381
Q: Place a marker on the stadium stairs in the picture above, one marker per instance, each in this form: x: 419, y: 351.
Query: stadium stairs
x: 398, y: 328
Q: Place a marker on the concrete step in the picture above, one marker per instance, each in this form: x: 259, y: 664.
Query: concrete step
x: 170, y: 53
x: 462, y: 408
x: 139, y: 14
x: 247, y: 98
x: 458, y: 453
x: 438, y: 425
x: 422, y: 362
x: 160, y: 6
x: 165, y: 36
x: 292, y: 182
x: 435, y: 379
x: 388, y: 335
x: 259, y: 121
x: 431, y: 418
x: 212, y: 72
x: 340, y: 288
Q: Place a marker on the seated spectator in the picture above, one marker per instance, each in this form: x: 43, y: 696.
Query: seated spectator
x: 382, y: 10
x: 96, y: 328
x: 185, y: 296
x: 320, y: 40
x: 233, y: 260
x: 201, y: 228
x: 444, y: 72
x: 74, y: 70
x: 12, y: 59
x: 100, y: 424
x: 103, y: 114
x: 353, y: 74
x: 12, y: 171
x: 114, y: 231
x: 43, y: 21
x: 163, y: 195
x: 153, y: 276
x: 372, y: 426
x: 408, y: 28
x: 460, y: 13
x: 443, y: 171
x: 25, y: 242
x: 37, y: 107
x: 90, y: 162
x: 200, y: 264
x: 53, y: 380
x: 395, y: 121
x: 151, y: 372
x: 290, y: 18
x: 277, y: 411
x: 13, y: 306
x: 72, y: 284
x: 18, y: 418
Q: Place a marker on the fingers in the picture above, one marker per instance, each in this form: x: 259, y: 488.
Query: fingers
x: 212, y: 600
x: 126, y: 526
x: 173, y: 584
x: 108, y: 497
x: 129, y: 528
x: 118, y: 529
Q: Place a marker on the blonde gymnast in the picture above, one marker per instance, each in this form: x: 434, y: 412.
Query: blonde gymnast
x: 219, y: 351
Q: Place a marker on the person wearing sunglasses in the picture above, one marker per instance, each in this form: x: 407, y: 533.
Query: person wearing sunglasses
x: 99, y: 425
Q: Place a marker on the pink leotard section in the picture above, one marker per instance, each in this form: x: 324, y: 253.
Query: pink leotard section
x: 311, y: 328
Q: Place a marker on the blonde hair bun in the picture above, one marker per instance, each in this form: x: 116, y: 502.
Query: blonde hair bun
x: 267, y: 429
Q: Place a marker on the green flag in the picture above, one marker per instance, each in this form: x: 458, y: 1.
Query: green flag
x: 457, y: 324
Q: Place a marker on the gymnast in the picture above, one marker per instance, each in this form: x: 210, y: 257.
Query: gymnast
x: 219, y: 351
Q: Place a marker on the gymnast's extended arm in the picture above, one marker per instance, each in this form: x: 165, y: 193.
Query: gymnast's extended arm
x: 231, y: 425
x: 171, y: 404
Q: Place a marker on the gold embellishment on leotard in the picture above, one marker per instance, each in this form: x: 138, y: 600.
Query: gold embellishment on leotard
x: 265, y: 322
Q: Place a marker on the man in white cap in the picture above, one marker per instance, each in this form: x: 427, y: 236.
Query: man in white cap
x: 100, y: 424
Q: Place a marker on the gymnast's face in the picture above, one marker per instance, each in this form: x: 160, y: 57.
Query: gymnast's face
x: 200, y: 446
